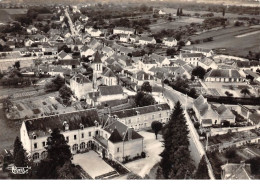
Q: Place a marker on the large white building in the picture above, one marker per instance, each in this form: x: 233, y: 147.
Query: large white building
x: 82, y: 130
x: 80, y: 85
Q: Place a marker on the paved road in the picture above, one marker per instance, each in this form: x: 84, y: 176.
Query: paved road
x: 72, y: 28
x: 175, y: 96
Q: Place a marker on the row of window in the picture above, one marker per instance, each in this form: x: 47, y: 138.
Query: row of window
x: 67, y: 138
x: 146, y: 118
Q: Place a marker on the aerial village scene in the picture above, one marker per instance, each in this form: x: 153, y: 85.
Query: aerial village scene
x: 127, y: 89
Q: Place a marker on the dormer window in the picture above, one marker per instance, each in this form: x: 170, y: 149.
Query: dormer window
x: 81, y: 126
x: 34, y: 135
x: 96, y: 123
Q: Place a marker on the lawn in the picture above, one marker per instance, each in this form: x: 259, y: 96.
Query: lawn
x: 92, y: 164
x: 153, y: 148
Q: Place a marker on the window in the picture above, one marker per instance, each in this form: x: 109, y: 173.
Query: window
x: 43, y: 143
x: 118, y: 149
x: 82, y: 135
x: 160, y: 115
x: 129, y: 121
x: 67, y: 139
x: 35, y: 145
x: 82, y: 145
x: 75, y: 137
x: 153, y: 117
x: 75, y: 147
x: 89, y: 134
x: 36, y: 156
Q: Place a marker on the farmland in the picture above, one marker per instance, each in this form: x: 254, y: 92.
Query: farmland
x: 8, y: 14
x: 226, y: 40
x: 162, y: 24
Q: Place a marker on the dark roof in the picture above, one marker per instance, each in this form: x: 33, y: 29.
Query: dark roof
x: 69, y: 62
x: 110, y: 90
x: 108, y: 73
x: 226, y: 73
x: 188, y: 55
x: 119, y: 131
x: 140, y: 110
x: 247, y: 64
x: 80, y: 78
x: 97, y: 58
x: 255, y: 117
x: 41, y: 126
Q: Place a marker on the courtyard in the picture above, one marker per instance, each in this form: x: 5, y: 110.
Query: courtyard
x: 92, y: 164
x: 153, y: 148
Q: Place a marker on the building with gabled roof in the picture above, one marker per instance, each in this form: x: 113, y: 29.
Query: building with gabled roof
x: 147, y: 40
x: 223, y: 75
x: 140, y: 77
x: 110, y: 93
x: 108, y: 77
x: 80, y: 86
x: 233, y: 171
x: 170, y: 41
x: 140, y: 118
x: 191, y: 58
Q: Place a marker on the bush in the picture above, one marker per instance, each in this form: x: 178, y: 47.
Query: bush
x: 143, y: 154
x: 230, y: 153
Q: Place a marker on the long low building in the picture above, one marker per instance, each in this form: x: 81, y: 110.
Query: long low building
x: 141, y: 118
x: 82, y: 130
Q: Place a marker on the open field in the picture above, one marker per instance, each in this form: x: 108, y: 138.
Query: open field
x: 160, y: 25
x: 219, y: 14
x: 7, y: 14
x: 226, y: 40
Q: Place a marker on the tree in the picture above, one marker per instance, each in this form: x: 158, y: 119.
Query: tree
x: 181, y: 12
x: 58, y: 154
x: 17, y: 65
x: 55, y: 84
x: 17, y: 146
x: 65, y: 92
x: 146, y: 87
x: 199, y: 72
x: 143, y: 99
x: 193, y: 92
x: 255, y: 165
x: 156, y: 126
x: 202, y: 171
x: 245, y: 91
x: 170, y: 51
x: 176, y: 162
x: 178, y: 12
x: 223, y: 12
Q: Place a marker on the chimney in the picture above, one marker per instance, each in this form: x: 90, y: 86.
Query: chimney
x: 130, y: 133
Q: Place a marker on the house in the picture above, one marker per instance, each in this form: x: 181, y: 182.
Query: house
x: 69, y: 63
x: 133, y: 38
x: 10, y: 44
x: 28, y: 42
x: 108, y: 77
x: 247, y: 65
x: 147, y: 40
x: 140, y: 77
x: 31, y: 29
x: 110, y: 93
x: 205, y: 51
x: 170, y: 41
x: 119, y: 141
x: 224, y: 114
x: 191, y: 58
x: 95, y: 33
x: 161, y: 12
x: 140, y: 118
x: 67, y: 34
x: 234, y: 171
x: 86, y: 51
x: 207, y: 63
x: 62, y: 18
x: 204, y: 112
x: 84, y: 18
x: 80, y: 85
x: 123, y: 30
x: 63, y: 55
x: 146, y: 63
x: 160, y: 60
x: 124, y: 38
x: 184, y: 71
x: 223, y: 75
x: 35, y: 51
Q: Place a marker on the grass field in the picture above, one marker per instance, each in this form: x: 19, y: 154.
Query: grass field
x: 160, y: 25
x: 6, y: 15
x: 226, y: 39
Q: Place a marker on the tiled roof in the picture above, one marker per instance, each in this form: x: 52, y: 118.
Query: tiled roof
x: 97, y: 58
x: 224, y: 73
x: 251, y: 73
x: 69, y: 62
x: 141, y: 75
x: 140, y: 110
x: 255, y: 117
x: 110, y: 90
x: 247, y: 64
x: 146, y: 38
x: 189, y: 55
x: 236, y: 171
x: 80, y: 78
x: 108, y: 73
x: 41, y: 126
